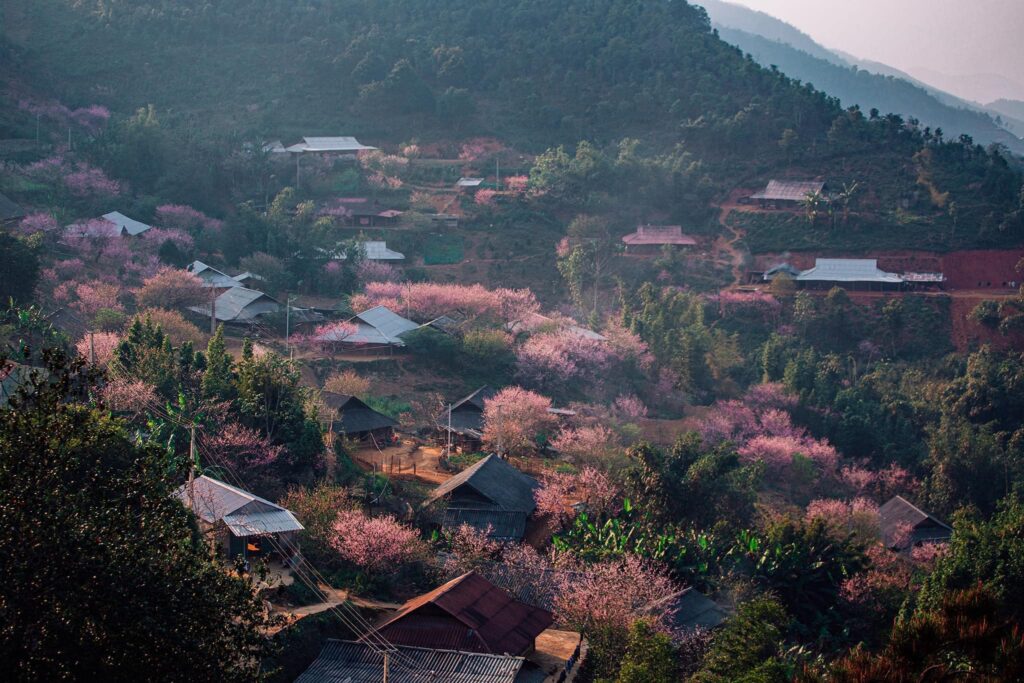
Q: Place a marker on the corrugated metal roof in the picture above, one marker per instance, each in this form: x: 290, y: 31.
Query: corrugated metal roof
x: 210, y: 276
x: 469, y: 609
x: 496, y: 480
x: 345, y: 661
x: 789, y: 190
x: 125, y: 224
x: 329, y: 144
x: 469, y: 182
x: 244, y: 513
x: 387, y: 323
x: 694, y: 610
x: 923, y: 277
x: 659, y: 234
x: 377, y: 250
x: 847, y: 270
x: 240, y: 304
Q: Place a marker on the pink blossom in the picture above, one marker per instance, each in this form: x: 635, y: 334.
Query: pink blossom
x: 880, y: 485
x: 485, y: 197
x: 129, y: 395
x: 761, y: 397
x: 859, y: 516
x: 171, y: 288
x: 375, y: 271
x: 517, y: 183
x: 375, y: 544
x: 37, y: 222
x: 185, y: 218
x: 778, y: 452
x: 103, y: 344
x: 514, y: 418
x: 630, y: 407
x: 88, y: 181
x: 471, y: 549
x: 563, y: 248
x: 594, y: 441
x: 627, y: 344
x: 561, y: 355
x: 733, y: 303
x: 95, y: 295
x: 154, y: 238
x: 875, y: 591
x: 612, y: 594
x: 429, y: 300
x: 559, y: 491
x: 927, y: 554
x: 242, y: 448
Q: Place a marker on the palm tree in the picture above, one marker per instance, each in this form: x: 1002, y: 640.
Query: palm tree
x: 813, y: 203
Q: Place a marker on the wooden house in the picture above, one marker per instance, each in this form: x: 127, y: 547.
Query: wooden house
x: 905, y: 526
x: 788, y: 194
x: 491, y: 496
x: 467, y: 421
x: 356, y: 420
x: 651, y: 238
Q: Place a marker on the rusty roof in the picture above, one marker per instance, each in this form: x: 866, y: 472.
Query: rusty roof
x: 467, y: 613
x: 659, y: 234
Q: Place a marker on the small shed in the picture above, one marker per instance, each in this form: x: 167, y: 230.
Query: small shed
x: 469, y: 184
x: 491, y: 496
x: 788, y: 193
x: 377, y: 327
x: 10, y: 212
x: 126, y: 225
x: 239, y: 522
x: 781, y: 269
x: 653, y: 237
x: 240, y: 305
x: 352, y: 662
x: 210, y: 276
x: 904, y: 525
x: 694, y: 610
x: 247, y: 279
x: 356, y: 420
x: 468, y: 614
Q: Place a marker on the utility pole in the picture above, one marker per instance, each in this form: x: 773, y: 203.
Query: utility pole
x: 497, y: 174
x: 386, y: 666
x: 192, y: 468
x: 297, y: 157
x: 501, y: 434
x: 213, y: 313
x: 92, y: 347
x: 288, y: 319
x: 449, y: 453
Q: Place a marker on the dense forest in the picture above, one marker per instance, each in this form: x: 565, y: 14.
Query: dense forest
x: 686, y: 422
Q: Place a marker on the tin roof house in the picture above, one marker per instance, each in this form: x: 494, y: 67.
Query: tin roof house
x: 491, y: 496
x: 239, y: 305
x: 656, y: 236
x: 239, y: 522
x: 469, y: 614
x: 377, y: 327
x: 788, y: 193
x: 328, y: 145
x: 210, y: 276
x: 856, y: 272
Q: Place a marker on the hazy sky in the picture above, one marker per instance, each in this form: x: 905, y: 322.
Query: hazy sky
x: 954, y: 37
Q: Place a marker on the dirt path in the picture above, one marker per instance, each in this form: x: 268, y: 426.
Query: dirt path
x: 410, y: 460
x: 727, y: 241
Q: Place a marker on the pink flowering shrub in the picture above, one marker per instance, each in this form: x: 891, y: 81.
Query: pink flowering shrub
x: 629, y: 407
x: 375, y: 544
x: 95, y: 295
x: 517, y: 183
x: 626, y: 344
x: 470, y: 549
x: 84, y: 180
x: 328, y: 334
x: 881, y: 484
x: 514, y: 418
x: 927, y: 554
x: 590, y: 487
x: 129, y: 396
x: 779, y: 453
x: 103, y: 344
x: 376, y: 271
x: 748, y: 304
x: 171, y: 288
x: 91, y: 118
x: 555, y: 357
x: 612, y: 594
x: 859, y: 516
x: 185, y: 218
x: 154, y: 238
x: 590, y: 442
x: 37, y: 222
x: 485, y: 197
x: 877, y: 592
x: 242, y: 448
x: 429, y: 300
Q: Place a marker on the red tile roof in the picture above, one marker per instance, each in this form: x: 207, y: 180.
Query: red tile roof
x: 468, y: 613
x: 659, y: 234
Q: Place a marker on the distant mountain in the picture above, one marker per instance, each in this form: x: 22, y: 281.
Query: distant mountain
x: 772, y: 42
x: 976, y: 87
x: 1012, y: 113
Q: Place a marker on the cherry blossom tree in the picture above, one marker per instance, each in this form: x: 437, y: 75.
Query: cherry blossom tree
x: 37, y: 222
x: 429, y: 300
x: 587, y: 442
x: 327, y: 336
x: 517, y: 183
x: 242, y: 448
x: 559, y: 491
x: 629, y: 407
x: 858, y: 516
x: 514, y: 418
x: 879, y: 484
x: 376, y: 544
x: 612, y: 594
x: 171, y: 288
x: 469, y: 549
x: 555, y: 357
x: 102, y: 344
x: 184, y: 218
x: 485, y: 197
x: 347, y: 382
x: 94, y: 295
x: 376, y: 271
x: 129, y: 395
